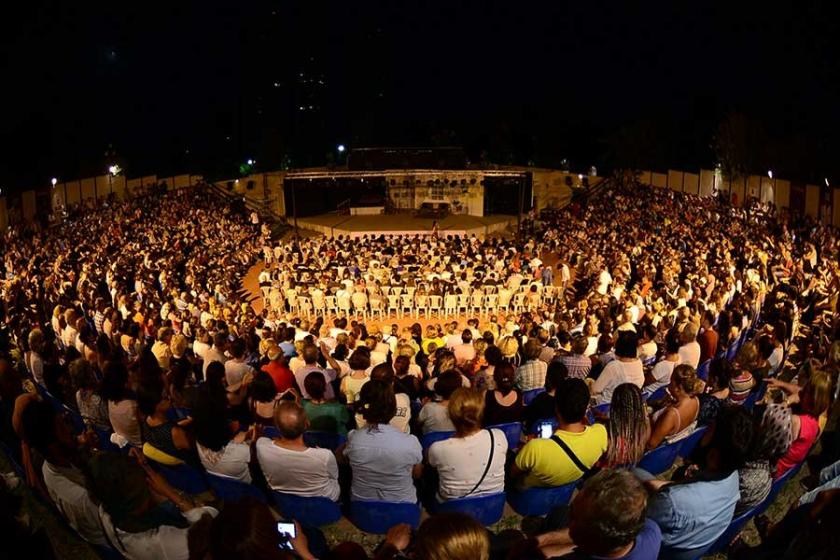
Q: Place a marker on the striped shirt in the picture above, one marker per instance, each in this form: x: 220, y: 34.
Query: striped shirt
x: 577, y: 365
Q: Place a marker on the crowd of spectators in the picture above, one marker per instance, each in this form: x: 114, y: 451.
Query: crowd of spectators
x: 128, y: 346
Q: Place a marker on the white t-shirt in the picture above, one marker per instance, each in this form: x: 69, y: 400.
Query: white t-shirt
x: 434, y: 417
x: 460, y: 462
x: 312, y: 472
x: 690, y: 354
x: 614, y: 374
x: 647, y: 350
x: 74, y: 502
x: 165, y: 541
x: 231, y: 462
x: 662, y: 373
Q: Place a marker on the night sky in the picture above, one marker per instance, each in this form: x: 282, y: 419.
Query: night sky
x: 187, y: 86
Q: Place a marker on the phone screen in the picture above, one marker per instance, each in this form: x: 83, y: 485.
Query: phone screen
x: 287, y: 532
x: 545, y: 430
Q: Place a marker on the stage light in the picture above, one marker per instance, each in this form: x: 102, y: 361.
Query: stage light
x: 827, y: 184
x: 114, y: 169
x: 340, y: 148
x: 250, y: 162
x: 580, y: 176
x: 770, y: 173
x: 237, y: 181
x: 53, y: 181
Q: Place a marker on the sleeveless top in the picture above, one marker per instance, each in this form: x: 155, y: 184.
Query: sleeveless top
x: 679, y: 434
x: 161, y: 438
x: 809, y: 429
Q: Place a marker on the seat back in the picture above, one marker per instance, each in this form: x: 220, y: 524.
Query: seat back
x: 231, y: 490
x: 326, y: 440
x: 428, y: 439
x: 659, y: 460
x: 378, y: 517
x: 183, y: 477
x: 513, y: 433
x: 656, y: 395
x: 731, y: 351
x: 314, y: 511
x: 486, y: 509
x: 703, y: 370
x: 689, y: 443
x: 528, y: 396
x: 540, y: 501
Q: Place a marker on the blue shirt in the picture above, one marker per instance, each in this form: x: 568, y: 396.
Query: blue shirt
x: 693, y: 515
x: 382, y: 459
x: 288, y: 349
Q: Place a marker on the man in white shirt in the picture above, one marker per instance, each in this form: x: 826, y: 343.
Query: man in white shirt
x: 690, y: 349
x: 289, y: 465
x: 215, y: 353
x: 65, y: 482
x: 236, y: 369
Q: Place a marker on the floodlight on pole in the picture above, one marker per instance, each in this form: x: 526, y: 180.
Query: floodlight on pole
x: 53, y: 181
x: 340, y: 148
x: 250, y: 161
x: 770, y: 173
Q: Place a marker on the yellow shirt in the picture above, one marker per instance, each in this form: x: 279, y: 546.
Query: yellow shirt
x: 547, y: 464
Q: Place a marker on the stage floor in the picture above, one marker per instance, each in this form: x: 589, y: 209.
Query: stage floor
x: 334, y: 224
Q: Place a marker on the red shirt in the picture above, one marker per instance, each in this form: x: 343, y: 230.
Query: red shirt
x: 708, y: 344
x: 282, y: 376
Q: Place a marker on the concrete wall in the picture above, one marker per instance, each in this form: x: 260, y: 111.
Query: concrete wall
x: 782, y: 193
x: 812, y: 201
x: 659, y: 179
x: 691, y: 183
x: 706, y: 182
x: 27, y: 205
x: 675, y: 180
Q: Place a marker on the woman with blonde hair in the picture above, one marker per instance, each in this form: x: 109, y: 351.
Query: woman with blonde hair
x: 510, y: 349
x: 678, y: 420
x: 444, y: 536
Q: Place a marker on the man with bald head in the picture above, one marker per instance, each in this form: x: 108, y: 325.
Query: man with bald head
x: 289, y: 465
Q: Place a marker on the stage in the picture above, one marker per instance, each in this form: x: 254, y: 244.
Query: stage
x: 334, y: 225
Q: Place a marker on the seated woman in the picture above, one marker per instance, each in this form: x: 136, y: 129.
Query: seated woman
x: 157, y: 429
x: 660, y: 375
x: 219, y: 453
x: 434, y: 416
x: 122, y: 407
x: 404, y: 381
x: 352, y: 383
x: 714, y: 395
x: 384, y: 460
x: 679, y: 419
x: 628, y: 428
x: 324, y: 415
x: 262, y: 398
x: 462, y: 461
x: 504, y: 403
x: 808, y: 403
x: 742, y: 381
x: 92, y: 406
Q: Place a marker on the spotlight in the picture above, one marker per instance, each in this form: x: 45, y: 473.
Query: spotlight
x: 340, y: 148
x: 53, y: 181
x: 770, y: 173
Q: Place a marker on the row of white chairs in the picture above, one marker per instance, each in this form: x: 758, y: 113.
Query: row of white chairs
x: 414, y: 305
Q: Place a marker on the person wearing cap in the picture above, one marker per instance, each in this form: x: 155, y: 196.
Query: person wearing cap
x: 276, y: 367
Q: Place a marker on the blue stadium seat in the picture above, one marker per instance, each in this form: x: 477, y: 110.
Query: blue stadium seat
x: 755, y: 396
x: 428, y: 439
x: 513, y: 433
x: 313, y: 511
x: 232, y: 490
x: 691, y: 441
x: 183, y: 477
x: 732, y: 351
x: 703, y: 370
x: 656, y: 395
x: 378, y: 517
x: 486, y: 509
x: 659, y: 460
x: 270, y: 432
x: 540, y: 501
x: 528, y: 396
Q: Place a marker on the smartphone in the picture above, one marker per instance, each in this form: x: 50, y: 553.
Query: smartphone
x: 287, y: 533
x: 546, y: 430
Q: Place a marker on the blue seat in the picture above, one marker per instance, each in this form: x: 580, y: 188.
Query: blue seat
x: 183, y: 477
x: 513, y: 433
x: 659, y: 460
x: 105, y: 444
x: 691, y: 441
x: 656, y: 395
x: 540, y: 501
x: 77, y: 420
x: 528, y: 396
x: 270, y: 432
x: 755, y: 396
x: 314, y: 511
x: 602, y: 408
x: 649, y: 361
x: 428, y: 439
x: 486, y: 509
x: 176, y: 414
x: 325, y: 440
x: 722, y: 543
x: 732, y: 351
x: 378, y: 517
x: 703, y: 370
x: 232, y: 490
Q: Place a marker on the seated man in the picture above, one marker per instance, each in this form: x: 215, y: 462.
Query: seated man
x: 625, y: 368
x: 289, y: 465
x: 694, y: 513
x: 531, y: 374
x: 558, y: 461
x: 606, y: 520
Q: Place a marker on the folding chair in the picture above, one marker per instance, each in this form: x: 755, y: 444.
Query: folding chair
x: 435, y: 305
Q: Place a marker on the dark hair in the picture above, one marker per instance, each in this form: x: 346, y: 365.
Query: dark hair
x: 359, y: 359
x: 315, y: 385
x: 447, y: 382
x: 504, y: 376
x: 401, y: 364
x: 608, y: 512
x: 466, y: 336
x: 38, y: 425
x: 377, y: 402
x: 310, y: 353
x: 733, y: 438
x: 383, y: 372
x: 627, y: 344
x: 340, y: 352
x: 262, y: 387
x: 555, y: 374
x: 245, y: 529
x: 237, y: 348
x: 149, y: 395
x: 114, y: 379
x: 210, y: 424
x: 572, y: 400
x: 672, y: 342
x: 721, y: 372
x: 215, y: 375
x: 493, y: 355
